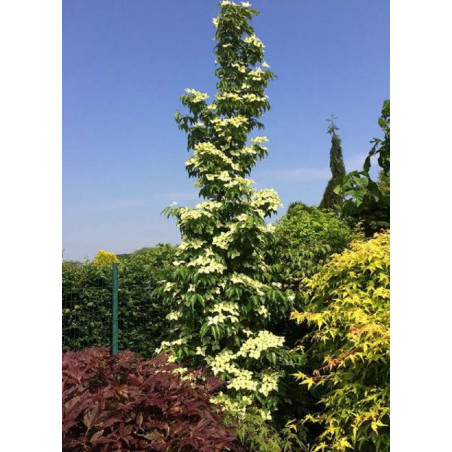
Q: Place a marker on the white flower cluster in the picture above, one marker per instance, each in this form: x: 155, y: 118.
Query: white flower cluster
x: 266, y: 415
x: 263, y: 311
x: 256, y: 74
x: 201, y: 351
x: 220, y: 318
x: 259, y: 140
x: 255, y: 41
x: 212, y: 293
x: 174, y: 315
x: 241, y: 68
x: 240, y: 181
x: 228, y: 96
x: 253, y: 347
x: 210, y: 206
x: 222, y: 362
x: 254, y: 98
x: 196, y: 95
x: 270, y: 228
x: 243, y: 380
x: 223, y: 239
x: 208, y: 150
x: 230, y: 308
x: 207, y: 264
x: 236, y: 121
x: 249, y: 150
x: 239, y: 278
x: 169, y: 286
x: 237, y: 406
x: 269, y: 383
x: 194, y: 244
x: 187, y: 214
x: 267, y: 198
x: 227, y: 2
x: 224, y: 176
x: 226, y: 306
x: 167, y: 345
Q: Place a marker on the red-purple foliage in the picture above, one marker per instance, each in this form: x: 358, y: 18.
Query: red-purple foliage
x: 124, y: 403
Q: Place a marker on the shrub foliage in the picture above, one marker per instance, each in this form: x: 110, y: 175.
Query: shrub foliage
x: 125, y: 403
x: 367, y: 201
x: 87, y: 302
x: 349, y: 311
x: 307, y: 236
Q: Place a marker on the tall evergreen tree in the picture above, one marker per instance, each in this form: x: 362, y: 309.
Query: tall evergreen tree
x: 225, y: 302
x: 332, y: 200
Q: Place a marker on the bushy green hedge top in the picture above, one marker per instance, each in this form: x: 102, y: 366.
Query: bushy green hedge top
x: 87, y: 302
x: 307, y: 236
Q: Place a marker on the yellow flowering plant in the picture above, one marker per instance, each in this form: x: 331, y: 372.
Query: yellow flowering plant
x: 225, y: 300
x: 349, y: 347
x: 105, y: 259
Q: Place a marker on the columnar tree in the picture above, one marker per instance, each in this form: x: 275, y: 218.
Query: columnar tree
x: 332, y: 200
x: 225, y: 302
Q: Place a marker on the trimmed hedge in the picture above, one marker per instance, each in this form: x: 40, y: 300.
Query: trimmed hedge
x: 87, y: 300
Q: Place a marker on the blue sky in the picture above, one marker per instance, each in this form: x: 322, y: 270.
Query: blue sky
x: 125, y: 64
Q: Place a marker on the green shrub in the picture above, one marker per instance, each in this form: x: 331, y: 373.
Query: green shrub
x: 307, y: 236
x: 348, y: 348
x: 367, y: 202
x: 87, y: 301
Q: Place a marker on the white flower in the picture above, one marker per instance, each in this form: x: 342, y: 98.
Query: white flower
x: 196, y: 95
x: 259, y: 139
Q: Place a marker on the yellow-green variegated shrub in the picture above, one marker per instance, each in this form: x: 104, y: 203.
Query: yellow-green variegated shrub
x: 349, y: 347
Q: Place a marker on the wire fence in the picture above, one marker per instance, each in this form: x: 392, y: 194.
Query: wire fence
x: 87, y: 304
x: 99, y: 311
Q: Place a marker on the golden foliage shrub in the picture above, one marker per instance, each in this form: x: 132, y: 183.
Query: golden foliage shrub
x: 348, y: 347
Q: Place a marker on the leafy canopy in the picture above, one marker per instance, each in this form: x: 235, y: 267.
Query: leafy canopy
x: 306, y: 237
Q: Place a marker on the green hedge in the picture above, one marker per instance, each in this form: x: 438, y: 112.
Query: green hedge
x: 87, y: 300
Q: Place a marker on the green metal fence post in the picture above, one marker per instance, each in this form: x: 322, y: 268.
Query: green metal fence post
x: 114, y: 338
